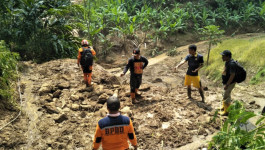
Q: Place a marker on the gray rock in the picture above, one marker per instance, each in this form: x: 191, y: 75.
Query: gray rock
x: 64, y: 85
x: 109, y: 92
x: 45, y: 88
x: 85, y: 107
x: 74, y: 97
x: 126, y: 110
x: 103, y: 98
x: 98, y: 89
x: 145, y: 87
x: 57, y: 94
x: 60, y: 118
x: 47, y: 98
x: 204, y: 119
x: 252, y: 102
x: 51, y: 109
x: 75, y: 107
x: 157, y: 80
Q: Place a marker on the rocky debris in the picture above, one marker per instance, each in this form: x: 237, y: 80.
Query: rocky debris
x: 145, y: 87
x: 45, y: 88
x: 69, y: 108
x: 46, y: 98
x: 57, y: 94
x: 74, y: 97
x: 75, y: 107
x: 103, y: 98
x: 204, y: 119
x: 63, y: 85
x: 157, y: 80
x: 60, y: 118
x: 50, y: 108
x: 98, y: 89
x: 126, y: 111
x: 252, y: 102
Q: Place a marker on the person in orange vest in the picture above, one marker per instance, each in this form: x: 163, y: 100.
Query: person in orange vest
x: 114, y: 130
x: 137, y: 63
x: 85, y: 59
x: 195, y: 63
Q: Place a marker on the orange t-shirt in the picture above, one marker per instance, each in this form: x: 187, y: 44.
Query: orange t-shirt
x: 114, y: 133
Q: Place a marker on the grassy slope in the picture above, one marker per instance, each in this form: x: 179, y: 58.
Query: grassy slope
x: 249, y: 52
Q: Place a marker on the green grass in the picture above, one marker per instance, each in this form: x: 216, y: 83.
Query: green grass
x: 249, y: 52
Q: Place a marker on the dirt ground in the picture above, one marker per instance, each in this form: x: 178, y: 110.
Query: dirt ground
x: 59, y: 112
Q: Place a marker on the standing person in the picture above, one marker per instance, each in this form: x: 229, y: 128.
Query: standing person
x: 85, y: 58
x: 137, y: 63
x: 114, y: 130
x: 195, y: 63
x: 228, y: 77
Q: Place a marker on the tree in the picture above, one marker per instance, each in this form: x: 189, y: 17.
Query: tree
x: 213, y: 35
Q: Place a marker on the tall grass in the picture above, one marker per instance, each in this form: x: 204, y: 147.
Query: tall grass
x: 249, y: 52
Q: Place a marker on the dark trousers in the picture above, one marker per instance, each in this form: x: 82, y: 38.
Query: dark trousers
x: 135, y: 82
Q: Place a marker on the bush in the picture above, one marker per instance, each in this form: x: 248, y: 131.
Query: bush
x: 8, y: 62
x: 232, y: 136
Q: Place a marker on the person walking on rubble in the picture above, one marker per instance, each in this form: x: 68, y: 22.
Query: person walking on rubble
x: 114, y: 130
x: 228, y: 77
x: 195, y: 63
x: 85, y: 58
x: 137, y: 64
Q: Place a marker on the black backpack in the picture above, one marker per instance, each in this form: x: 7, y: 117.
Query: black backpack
x: 241, y: 73
x: 86, y: 57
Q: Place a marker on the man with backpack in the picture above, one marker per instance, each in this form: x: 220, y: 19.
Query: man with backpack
x: 195, y: 63
x: 233, y: 73
x: 137, y: 63
x: 85, y: 58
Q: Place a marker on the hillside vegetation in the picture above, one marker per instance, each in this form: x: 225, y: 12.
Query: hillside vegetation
x: 248, y: 51
x: 43, y: 30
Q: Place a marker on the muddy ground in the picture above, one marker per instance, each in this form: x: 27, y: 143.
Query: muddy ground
x: 59, y: 112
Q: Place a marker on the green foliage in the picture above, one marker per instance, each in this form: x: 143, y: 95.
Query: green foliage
x: 259, y: 77
x: 153, y: 52
x: 242, y: 50
x: 39, y: 30
x: 43, y: 30
x: 172, y: 52
x: 212, y: 34
x: 8, y: 62
x: 232, y: 136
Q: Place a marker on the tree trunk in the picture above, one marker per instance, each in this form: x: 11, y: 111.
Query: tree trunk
x: 209, y: 49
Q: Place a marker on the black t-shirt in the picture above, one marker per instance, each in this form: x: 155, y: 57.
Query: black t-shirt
x: 136, y: 65
x: 194, y: 62
x: 230, y: 67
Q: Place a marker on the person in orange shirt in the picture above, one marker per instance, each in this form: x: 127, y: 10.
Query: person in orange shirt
x: 114, y: 130
x: 85, y: 58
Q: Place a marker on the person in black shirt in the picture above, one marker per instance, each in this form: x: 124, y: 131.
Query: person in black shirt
x: 137, y: 63
x: 195, y: 63
x: 228, y: 77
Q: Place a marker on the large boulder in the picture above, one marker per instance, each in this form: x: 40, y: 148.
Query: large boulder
x: 45, y: 88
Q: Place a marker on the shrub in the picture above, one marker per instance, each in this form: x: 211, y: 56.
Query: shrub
x: 233, y: 136
x: 8, y: 62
